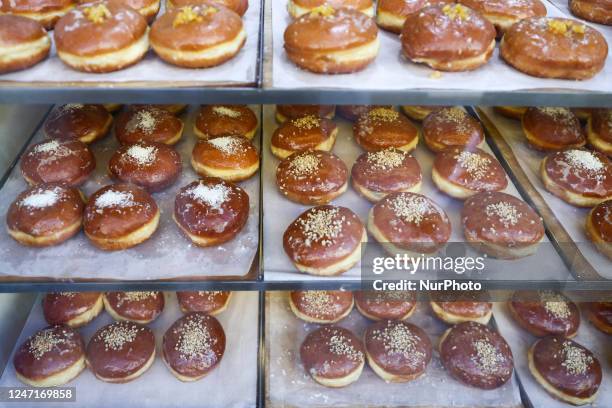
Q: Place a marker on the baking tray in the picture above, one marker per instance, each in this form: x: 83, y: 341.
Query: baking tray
x: 167, y: 255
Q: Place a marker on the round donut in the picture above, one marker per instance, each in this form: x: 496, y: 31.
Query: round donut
x: 353, y: 112
x: 148, y: 123
x: 545, y: 313
x: 596, y: 11
x: 175, y: 108
x: 120, y: 216
x: 298, y: 8
x: 476, y: 355
x: 600, y: 315
x: 147, y: 8
x: 391, y: 14
x: 46, y: 12
x: 284, y: 112
x: 101, y: 37
x: 45, y: 215
x: 222, y: 120
x: 137, y: 307
x: 379, y: 305
x: 565, y: 369
x: 458, y: 307
x: 333, y: 356
x: 312, y: 177
x: 554, y: 48
x: 69, y: 162
x: 419, y: 113
x: 321, y: 306
x: 448, y: 38
x: 332, y: 41
x: 211, y: 211
x: 50, y: 357
x: 325, y: 240
x: 599, y: 130
x: 73, y: 309
x: 503, y: 14
x: 589, y: 182
x: 23, y: 43
x: 86, y: 123
x: 376, y: 174
x: 552, y: 129
x: 193, y: 346
x: 238, y: 6
x: 198, y: 36
x: 209, y: 302
x: 511, y: 112
x: 599, y: 227
x: 303, y: 133
x: 452, y: 127
x: 231, y: 158
x: 383, y: 128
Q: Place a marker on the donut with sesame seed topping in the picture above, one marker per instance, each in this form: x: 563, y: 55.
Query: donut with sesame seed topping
x: 209, y: 302
x: 381, y: 305
x: 321, y: 306
x: 148, y: 123
x: 599, y: 130
x: 73, y: 309
x: 137, y: 307
x: 308, y: 132
x: 353, y: 112
x: 230, y: 157
x: 222, y: 120
x: 419, y: 112
x: 86, y: 123
x: 454, y: 307
x: 544, y: 313
x: 599, y: 227
x: 551, y: 128
x: 384, y: 128
x: 284, y: 112
x: 451, y: 127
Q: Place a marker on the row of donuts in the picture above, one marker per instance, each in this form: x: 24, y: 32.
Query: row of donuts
x: 124, y: 350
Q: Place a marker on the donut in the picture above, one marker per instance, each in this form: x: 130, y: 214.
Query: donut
x: 391, y: 14
x: 284, y: 112
x: 120, y: 216
x: 325, y: 240
x: 237, y: 6
x: 69, y: 162
x: 137, y: 307
x: 545, y: 313
x: 332, y: 41
x: 45, y: 215
x: 448, y: 38
x: 86, y: 123
x: 352, y: 112
x: 551, y: 129
x: 147, y: 8
x: 458, y: 307
x: 23, y: 43
x: 148, y: 123
x: 501, y: 225
x: 231, y: 158
x: 73, y: 309
x: 419, y: 113
x: 589, y: 182
x: 198, y: 36
x: 209, y: 302
x: 565, y: 369
x: 599, y: 227
x: 503, y: 14
x: 596, y: 11
x: 451, y: 127
x: 599, y: 130
x: 50, y: 357
x: 46, y: 13
x: 112, y: 107
x: 512, y: 112
x: 409, y: 223
x: 462, y: 173
x: 150, y: 165
x: 321, y: 306
x: 583, y: 113
x: 383, y: 305
x: 600, y: 315
x: 211, y: 211
x: 303, y: 133
x: 193, y: 346
x: 397, y: 351
x: 383, y: 128
x: 175, y: 109
x: 333, y: 356
x: 312, y: 177
x: 297, y: 8
x: 121, y: 352
x: 377, y: 174
x: 476, y: 355
x: 554, y: 48
x: 101, y: 37
x: 222, y: 120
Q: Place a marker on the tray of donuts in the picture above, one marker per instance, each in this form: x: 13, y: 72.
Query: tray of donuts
x: 150, y: 193
x: 144, y: 349
x: 177, y: 43
x: 402, y: 186
x: 561, y: 157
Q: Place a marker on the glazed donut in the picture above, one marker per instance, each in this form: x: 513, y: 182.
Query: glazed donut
x: 451, y: 127
x: 419, y: 113
x: 312, y: 177
x: 148, y: 123
x: 379, y: 305
x: 211, y: 211
x: 512, y: 112
x: 222, y: 120
x: 503, y: 14
x: 476, y: 355
x: 304, y: 133
x: 383, y: 128
x: 501, y: 225
x: 545, y: 313
x: 599, y: 227
x: 175, y: 109
x: 120, y: 216
x: 409, y: 223
x: 23, y: 43
x: 596, y: 11
x: 397, y: 351
x: 600, y: 315
x: 589, y: 182
x: 193, y: 346
x: 353, y: 112
x: 321, y: 306
x: 45, y: 215
x: 231, y: 158
x: 332, y: 41
x: 137, y: 307
x: 463, y: 173
x: 86, y: 123
x: 147, y: 8
x: 198, y: 36
x: 565, y: 369
x: 209, y: 302
x: 333, y: 356
x: 73, y: 309
x: 297, y: 8
x: 112, y: 107
x: 458, y: 307
x: 101, y: 37
x: 391, y: 14
x: 52, y: 356
x: 552, y: 129
x: 599, y: 130
x: 554, y: 48
x: 376, y: 174
x: 46, y: 13
x: 284, y: 112
x: 237, y: 6
x: 325, y: 240
x: 448, y: 38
